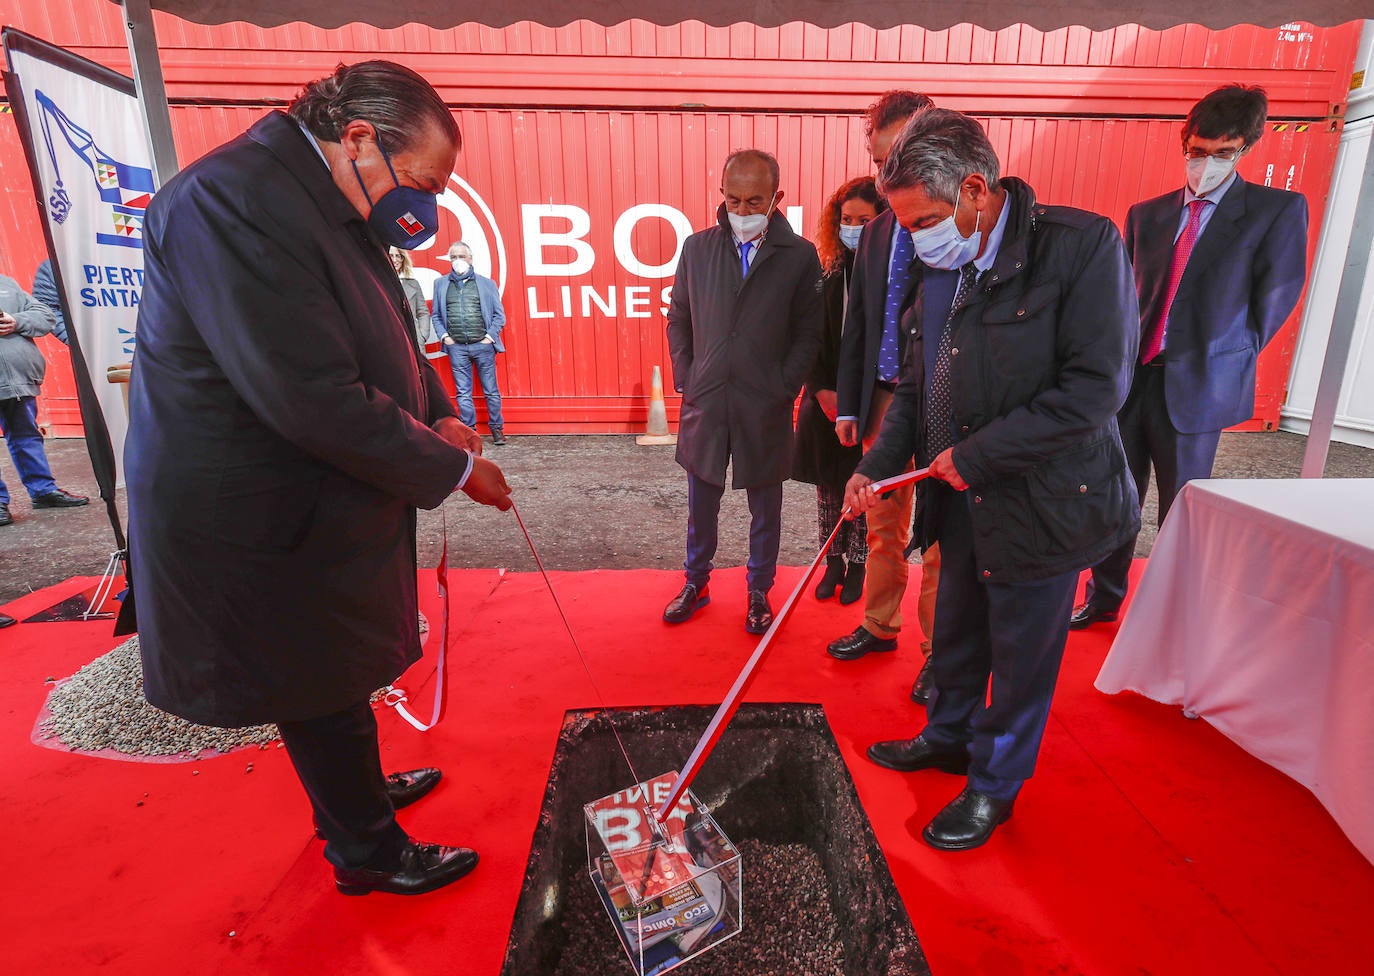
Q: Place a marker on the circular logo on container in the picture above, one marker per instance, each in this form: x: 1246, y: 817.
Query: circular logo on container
x: 463, y: 216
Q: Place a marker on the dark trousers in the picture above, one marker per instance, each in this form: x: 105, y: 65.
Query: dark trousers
x: 1009, y: 634
x: 765, y: 532
x: 339, y: 764
x: 1149, y: 438
x: 19, y: 424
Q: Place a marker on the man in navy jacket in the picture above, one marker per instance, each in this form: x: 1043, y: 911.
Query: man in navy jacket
x: 1219, y: 265
x: 1022, y: 340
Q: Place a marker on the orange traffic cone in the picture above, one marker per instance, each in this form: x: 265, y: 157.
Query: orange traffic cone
x: 658, y: 416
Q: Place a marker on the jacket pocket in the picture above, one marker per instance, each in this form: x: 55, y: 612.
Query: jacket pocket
x: 1078, y: 499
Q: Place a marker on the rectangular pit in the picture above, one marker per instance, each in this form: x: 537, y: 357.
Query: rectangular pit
x: 776, y: 778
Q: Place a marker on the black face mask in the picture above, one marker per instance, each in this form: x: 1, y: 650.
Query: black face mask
x: 404, y: 217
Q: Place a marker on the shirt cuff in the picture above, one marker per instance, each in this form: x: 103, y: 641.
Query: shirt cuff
x: 842, y: 417
x: 466, y: 472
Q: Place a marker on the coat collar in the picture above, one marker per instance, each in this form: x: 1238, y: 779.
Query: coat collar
x: 1022, y: 213
x: 279, y: 134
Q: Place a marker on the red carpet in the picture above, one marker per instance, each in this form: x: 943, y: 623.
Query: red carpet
x: 1146, y: 844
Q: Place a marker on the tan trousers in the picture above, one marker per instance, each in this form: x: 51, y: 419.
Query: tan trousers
x: 889, y: 533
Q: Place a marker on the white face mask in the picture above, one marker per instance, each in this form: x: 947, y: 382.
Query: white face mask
x: 849, y: 235
x: 748, y: 227
x: 1205, y: 175
x: 460, y: 266
x: 943, y: 247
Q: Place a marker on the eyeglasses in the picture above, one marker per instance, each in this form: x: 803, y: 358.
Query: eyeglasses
x: 1225, y: 155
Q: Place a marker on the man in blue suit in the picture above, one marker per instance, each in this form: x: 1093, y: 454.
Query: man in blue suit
x: 468, y: 319
x: 1219, y: 266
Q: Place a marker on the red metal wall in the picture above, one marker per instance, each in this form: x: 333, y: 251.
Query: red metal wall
x: 605, y: 120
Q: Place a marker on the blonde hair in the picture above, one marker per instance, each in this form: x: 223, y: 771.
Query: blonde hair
x: 406, y: 266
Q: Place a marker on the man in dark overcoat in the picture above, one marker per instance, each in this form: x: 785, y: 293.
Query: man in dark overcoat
x: 284, y: 429
x: 744, y: 327
x: 1025, y: 338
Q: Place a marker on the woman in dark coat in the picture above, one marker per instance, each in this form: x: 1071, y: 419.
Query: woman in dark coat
x: 819, y: 458
x: 415, y: 296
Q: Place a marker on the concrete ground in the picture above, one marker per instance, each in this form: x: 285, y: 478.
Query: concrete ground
x: 589, y: 502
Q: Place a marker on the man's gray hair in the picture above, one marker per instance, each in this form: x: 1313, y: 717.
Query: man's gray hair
x: 936, y: 151
x: 399, y: 103
x: 462, y: 244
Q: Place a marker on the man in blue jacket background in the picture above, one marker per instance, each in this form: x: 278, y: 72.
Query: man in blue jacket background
x: 468, y: 319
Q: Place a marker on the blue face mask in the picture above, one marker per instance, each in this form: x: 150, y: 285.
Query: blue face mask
x: 404, y: 217
x: 943, y: 247
x: 849, y: 235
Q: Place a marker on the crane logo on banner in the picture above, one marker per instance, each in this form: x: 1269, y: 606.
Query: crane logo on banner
x: 127, y: 189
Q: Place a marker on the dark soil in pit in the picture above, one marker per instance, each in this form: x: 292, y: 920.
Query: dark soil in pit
x: 818, y: 897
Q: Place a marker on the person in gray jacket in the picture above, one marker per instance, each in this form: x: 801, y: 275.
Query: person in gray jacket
x: 22, y: 368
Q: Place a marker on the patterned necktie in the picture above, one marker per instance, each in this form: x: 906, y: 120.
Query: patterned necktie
x: 889, y: 356
x: 939, y: 412
x: 1153, y: 340
x: 744, y: 250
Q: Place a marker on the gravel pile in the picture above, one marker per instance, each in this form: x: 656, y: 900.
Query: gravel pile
x: 102, y: 707
x: 789, y: 926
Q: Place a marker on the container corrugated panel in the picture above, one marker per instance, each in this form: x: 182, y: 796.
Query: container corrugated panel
x: 1089, y: 119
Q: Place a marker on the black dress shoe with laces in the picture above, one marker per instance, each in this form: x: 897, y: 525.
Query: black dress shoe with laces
x: 853, y: 646
x: 967, y: 822
x: 423, y: 867
x: 686, y: 603
x: 1089, y: 614
x: 909, y: 755
x: 59, y: 499
x: 5, y: 517
x: 759, y: 617
x: 920, y: 691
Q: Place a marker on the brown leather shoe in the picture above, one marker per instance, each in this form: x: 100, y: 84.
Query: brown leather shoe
x: 681, y: 607
x: 424, y: 867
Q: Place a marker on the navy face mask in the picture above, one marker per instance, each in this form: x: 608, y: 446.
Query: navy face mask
x: 404, y: 217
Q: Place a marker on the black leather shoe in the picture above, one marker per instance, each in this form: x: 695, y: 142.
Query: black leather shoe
x: 853, y: 583
x: 498, y: 436
x: 405, y: 788
x: 424, y: 867
x: 760, y: 615
x: 853, y: 646
x: 59, y: 499
x: 967, y: 822
x: 920, y: 691
x: 834, y: 576
x: 681, y: 607
x: 6, y: 621
x: 909, y: 755
x: 5, y: 517
x: 1089, y: 614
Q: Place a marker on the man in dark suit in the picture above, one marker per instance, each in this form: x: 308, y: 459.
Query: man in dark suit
x: 744, y: 326
x: 1219, y: 266
x: 284, y: 429
x: 872, y: 347
x: 1024, y: 333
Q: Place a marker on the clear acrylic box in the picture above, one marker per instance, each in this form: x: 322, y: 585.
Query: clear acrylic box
x: 672, y: 890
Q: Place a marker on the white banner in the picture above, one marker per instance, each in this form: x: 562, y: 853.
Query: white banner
x: 94, y: 173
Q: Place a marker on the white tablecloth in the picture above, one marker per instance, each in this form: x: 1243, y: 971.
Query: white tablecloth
x: 1256, y: 612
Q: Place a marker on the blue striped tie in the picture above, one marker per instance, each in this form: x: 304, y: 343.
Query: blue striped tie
x: 889, y: 355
